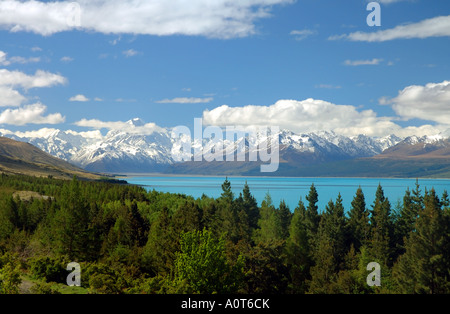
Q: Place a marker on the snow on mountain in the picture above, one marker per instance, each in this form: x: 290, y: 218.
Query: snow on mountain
x: 120, y: 151
x: 128, y: 151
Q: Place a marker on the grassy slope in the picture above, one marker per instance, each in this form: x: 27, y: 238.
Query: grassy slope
x: 23, y: 158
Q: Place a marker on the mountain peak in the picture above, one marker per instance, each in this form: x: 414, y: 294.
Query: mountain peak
x: 136, y: 122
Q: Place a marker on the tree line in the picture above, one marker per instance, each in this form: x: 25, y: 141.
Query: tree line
x: 129, y: 240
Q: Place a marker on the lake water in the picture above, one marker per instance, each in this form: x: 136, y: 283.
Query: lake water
x: 291, y: 189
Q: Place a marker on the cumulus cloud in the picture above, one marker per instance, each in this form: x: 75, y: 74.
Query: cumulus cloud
x: 218, y: 19
x: 309, y: 115
x: 38, y: 80
x: 430, y: 102
x: 10, y: 97
x: 10, y: 81
x: 79, y: 97
x: 30, y: 114
x: 143, y: 129
x: 433, y: 27
x: 185, y: 100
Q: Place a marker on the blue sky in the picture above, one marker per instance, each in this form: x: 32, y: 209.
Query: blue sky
x: 305, y: 65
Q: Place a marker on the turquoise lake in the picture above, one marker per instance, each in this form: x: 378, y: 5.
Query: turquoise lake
x: 291, y: 189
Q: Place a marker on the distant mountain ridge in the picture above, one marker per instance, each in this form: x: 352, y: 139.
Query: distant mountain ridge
x: 23, y: 158
x: 131, y: 152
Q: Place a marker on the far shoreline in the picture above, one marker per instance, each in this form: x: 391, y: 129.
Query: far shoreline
x: 124, y: 176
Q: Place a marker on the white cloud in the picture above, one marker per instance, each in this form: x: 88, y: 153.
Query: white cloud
x: 433, y: 27
x: 79, y: 97
x: 302, y: 34
x: 374, y: 61
x: 66, y: 59
x: 3, y: 59
x: 145, y: 129
x: 328, y: 86
x: 16, y: 59
x: 47, y: 132
x: 30, y: 114
x: 185, y: 100
x: 218, y: 19
x: 304, y: 116
x: 130, y: 53
x: 430, y: 102
x: 124, y: 100
x: 98, y: 99
x: 39, y: 79
x: 10, y: 97
x: 10, y: 81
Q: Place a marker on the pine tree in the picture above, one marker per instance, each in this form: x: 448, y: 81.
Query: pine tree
x: 251, y: 207
x: 405, y: 222
x: 269, y: 222
x: 298, y: 251
x: 381, y: 228
x: 227, y: 213
x: 285, y: 217
x: 423, y: 268
x: 312, y: 212
x: 445, y: 200
x: 227, y: 194
x: 358, y: 222
x: 330, y: 249
x: 159, y: 253
x: 72, y: 222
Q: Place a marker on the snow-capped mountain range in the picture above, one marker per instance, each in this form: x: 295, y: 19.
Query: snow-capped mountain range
x: 130, y: 152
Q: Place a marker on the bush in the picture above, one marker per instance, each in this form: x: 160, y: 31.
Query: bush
x: 43, y: 288
x: 49, y: 269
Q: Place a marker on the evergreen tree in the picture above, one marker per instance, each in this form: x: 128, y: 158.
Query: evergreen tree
x: 227, y: 194
x: 381, y: 229
x: 405, y: 222
x: 159, y: 253
x: 423, y: 268
x: 269, y: 222
x: 265, y: 270
x: 298, y: 251
x: 312, y: 212
x: 358, y: 222
x: 285, y: 217
x: 445, y: 200
x: 330, y: 251
x: 251, y: 207
x: 227, y: 213
x: 72, y: 222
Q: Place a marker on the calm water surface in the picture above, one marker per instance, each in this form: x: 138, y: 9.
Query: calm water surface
x: 291, y: 189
